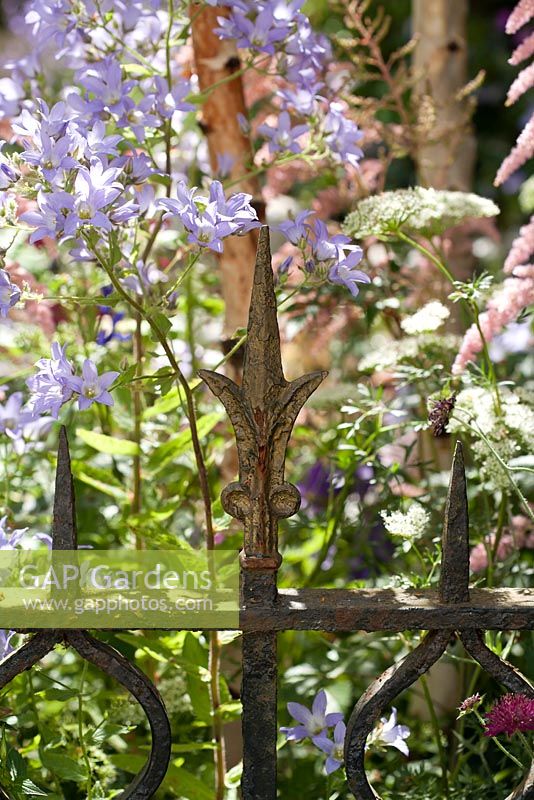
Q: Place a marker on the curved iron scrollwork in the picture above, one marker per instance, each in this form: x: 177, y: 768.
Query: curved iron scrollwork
x: 109, y: 660
x: 454, y: 588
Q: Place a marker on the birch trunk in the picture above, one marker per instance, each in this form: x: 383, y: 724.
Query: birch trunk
x: 215, y: 61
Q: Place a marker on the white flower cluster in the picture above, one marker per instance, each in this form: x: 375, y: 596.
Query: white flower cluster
x: 387, y: 353
x: 409, y: 525
x: 429, y: 318
x: 427, y: 212
x: 507, y: 427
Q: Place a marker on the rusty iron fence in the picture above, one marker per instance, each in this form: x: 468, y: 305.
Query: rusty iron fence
x: 263, y: 411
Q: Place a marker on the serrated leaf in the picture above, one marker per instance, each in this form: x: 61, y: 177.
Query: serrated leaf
x: 29, y: 788
x: 108, y: 444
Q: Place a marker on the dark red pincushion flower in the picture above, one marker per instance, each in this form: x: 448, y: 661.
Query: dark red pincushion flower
x: 511, y: 713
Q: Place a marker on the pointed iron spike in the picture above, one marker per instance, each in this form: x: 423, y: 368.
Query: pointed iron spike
x: 454, y: 584
x: 263, y: 359
x: 64, y: 522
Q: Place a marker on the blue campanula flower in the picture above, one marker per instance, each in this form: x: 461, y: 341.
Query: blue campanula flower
x: 51, y: 386
x: 388, y: 733
x: 303, y: 99
x: 9, y: 293
x: 52, y: 156
x: 50, y: 121
x: 110, y: 93
x: 8, y: 174
x: 50, y: 217
x: 6, y: 648
x: 297, y: 230
x: 167, y: 102
x: 108, y: 330
x: 283, y: 137
x: 311, y: 723
x: 148, y: 275
x: 211, y: 219
x: 92, y: 387
x: 259, y: 34
x: 334, y: 749
x: 342, y: 135
x: 345, y: 273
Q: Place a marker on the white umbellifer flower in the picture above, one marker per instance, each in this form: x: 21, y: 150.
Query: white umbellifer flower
x: 410, y: 525
x: 507, y: 430
x: 519, y: 417
x: 429, y: 318
x: 427, y: 212
x: 476, y: 405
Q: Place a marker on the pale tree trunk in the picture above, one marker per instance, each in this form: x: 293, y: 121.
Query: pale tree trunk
x: 446, y: 153
x: 215, y: 61
x: 445, y: 159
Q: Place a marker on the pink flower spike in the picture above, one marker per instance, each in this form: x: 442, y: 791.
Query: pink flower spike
x: 522, y: 152
x: 511, y: 713
x: 522, y: 13
x: 522, y: 247
x: 523, y: 51
x: 523, y: 82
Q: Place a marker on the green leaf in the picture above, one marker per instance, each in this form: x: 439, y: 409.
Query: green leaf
x: 188, y: 785
x: 57, y: 693
x: 182, y: 442
x: 163, y: 323
x: 63, y: 766
x: 29, y: 788
x: 99, y: 479
x: 108, y: 444
x: 164, y: 404
x: 16, y: 765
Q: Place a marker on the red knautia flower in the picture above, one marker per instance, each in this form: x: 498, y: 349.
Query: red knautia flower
x: 511, y: 713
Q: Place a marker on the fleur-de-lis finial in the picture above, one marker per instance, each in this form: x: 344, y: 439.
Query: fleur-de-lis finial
x: 263, y: 411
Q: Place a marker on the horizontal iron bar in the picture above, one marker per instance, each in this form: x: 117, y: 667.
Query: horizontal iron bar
x: 347, y: 610
x: 391, y: 610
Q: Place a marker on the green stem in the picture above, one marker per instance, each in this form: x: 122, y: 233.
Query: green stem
x: 422, y: 249
x: 85, y: 755
x: 437, y: 734
x: 501, y: 747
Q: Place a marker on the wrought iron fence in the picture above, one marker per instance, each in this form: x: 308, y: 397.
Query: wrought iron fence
x: 263, y: 411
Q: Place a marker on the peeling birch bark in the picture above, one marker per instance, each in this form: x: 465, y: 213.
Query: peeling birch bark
x: 215, y: 61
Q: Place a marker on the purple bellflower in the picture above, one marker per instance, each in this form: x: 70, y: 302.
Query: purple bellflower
x: 6, y: 648
x: 389, y: 734
x: 52, y: 386
x: 260, y: 34
x: 311, y: 723
x: 333, y: 749
x: 211, y: 219
x: 345, y: 273
x: 9, y: 293
x: 342, y: 135
x: 283, y: 137
x: 109, y: 320
x: 92, y: 387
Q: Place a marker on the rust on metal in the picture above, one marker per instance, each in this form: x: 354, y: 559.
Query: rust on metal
x: 109, y: 660
x: 262, y: 411
x: 454, y: 584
